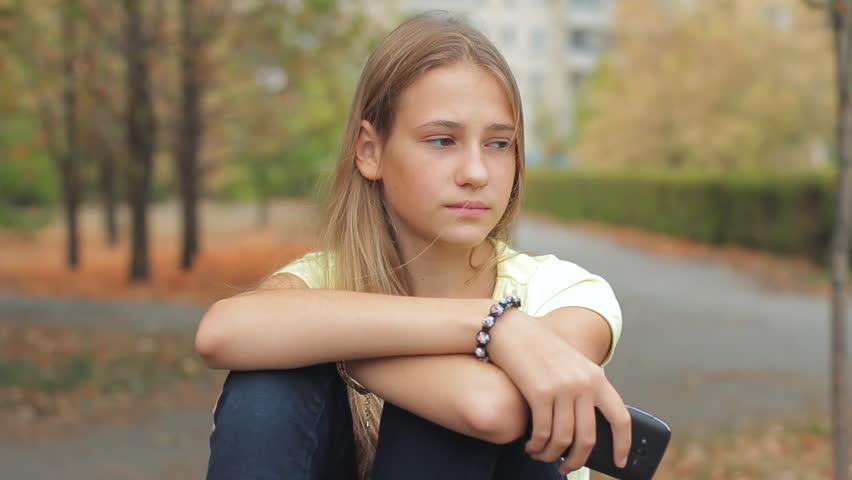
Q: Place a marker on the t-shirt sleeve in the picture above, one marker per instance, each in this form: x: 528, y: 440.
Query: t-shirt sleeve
x: 559, y: 283
x: 306, y: 267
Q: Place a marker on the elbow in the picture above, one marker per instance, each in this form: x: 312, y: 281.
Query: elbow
x: 497, y: 417
x: 209, y: 337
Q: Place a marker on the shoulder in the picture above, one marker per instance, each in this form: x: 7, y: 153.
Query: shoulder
x: 530, y: 269
x: 309, y: 267
x: 547, y: 281
x: 306, y: 260
x: 564, y: 272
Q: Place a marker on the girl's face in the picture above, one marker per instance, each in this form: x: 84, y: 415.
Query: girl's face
x: 450, y: 144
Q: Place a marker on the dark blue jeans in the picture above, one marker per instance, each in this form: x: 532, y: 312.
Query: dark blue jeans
x: 296, y: 425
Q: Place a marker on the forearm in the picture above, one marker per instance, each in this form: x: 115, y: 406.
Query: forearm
x: 288, y: 328
x: 584, y: 329
x: 468, y: 396
x: 457, y: 392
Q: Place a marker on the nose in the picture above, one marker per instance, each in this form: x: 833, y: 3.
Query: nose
x: 471, y: 168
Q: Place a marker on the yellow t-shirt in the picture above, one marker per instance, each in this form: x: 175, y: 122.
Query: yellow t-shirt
x: 543, y: 282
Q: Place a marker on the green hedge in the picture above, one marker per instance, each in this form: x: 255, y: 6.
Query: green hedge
x: 788, y: 214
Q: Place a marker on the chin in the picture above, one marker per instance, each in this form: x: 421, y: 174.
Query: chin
x: 464, y: 239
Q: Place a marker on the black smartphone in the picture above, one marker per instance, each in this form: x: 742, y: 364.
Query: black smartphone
x: 650, y: 439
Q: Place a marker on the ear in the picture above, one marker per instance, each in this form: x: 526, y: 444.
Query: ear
x: 368, y: 151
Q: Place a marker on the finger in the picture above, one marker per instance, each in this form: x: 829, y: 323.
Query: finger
x: 584, y: 435
x: 612, y: 407
x: 562, y: 432
x: 542, y: 420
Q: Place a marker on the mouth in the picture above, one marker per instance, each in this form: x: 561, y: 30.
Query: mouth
x: 468, y: 204
x: 469, y: 209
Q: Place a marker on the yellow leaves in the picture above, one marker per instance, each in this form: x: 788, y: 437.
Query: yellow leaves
x: 786, y: 448
x: 716, y: 87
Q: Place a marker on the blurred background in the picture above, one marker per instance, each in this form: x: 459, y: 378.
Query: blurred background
x: 158, y: 155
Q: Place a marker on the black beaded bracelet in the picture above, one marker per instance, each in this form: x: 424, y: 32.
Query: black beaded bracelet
x: 484, y: 335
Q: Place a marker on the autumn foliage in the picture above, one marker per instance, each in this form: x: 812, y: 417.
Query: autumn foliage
x: 228, y: 264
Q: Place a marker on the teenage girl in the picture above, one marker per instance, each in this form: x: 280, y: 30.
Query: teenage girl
x: 487, y: 361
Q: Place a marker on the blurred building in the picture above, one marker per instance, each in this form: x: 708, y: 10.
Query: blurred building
x: 551, y: 45
x: 778, y: 14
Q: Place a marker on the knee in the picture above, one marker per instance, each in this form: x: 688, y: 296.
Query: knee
x: 274, y: 423
x: 270, y: 398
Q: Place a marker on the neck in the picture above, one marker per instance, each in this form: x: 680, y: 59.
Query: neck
x: 443, y: 270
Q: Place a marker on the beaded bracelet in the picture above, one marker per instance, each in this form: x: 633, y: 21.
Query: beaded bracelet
x: 484, y: 335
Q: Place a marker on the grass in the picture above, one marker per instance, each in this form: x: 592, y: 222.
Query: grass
x: 47, y: 372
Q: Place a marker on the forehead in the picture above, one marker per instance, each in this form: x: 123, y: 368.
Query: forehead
x: 459, y: 92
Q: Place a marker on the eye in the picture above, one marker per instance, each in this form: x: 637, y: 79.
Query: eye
x: 440, y: 141
x: 499, y: 144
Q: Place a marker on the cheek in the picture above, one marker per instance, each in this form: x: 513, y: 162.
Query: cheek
x: 506, y: 177
x: 412, y: 186
x: 408, y: 179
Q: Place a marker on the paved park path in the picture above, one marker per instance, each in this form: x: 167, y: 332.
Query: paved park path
x: 703, y: 347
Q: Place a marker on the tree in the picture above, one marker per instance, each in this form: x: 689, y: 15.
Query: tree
x: 295, y: 65
x: 101, y: 136
x: 141, y: 125
x: 839, y: 14
x: 199, y: 24
x: 711, y: 85
x: 52, y: 61
x: 68, y: 160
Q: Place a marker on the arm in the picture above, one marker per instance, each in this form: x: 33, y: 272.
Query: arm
x: 469, y: 396
x: 457, y: 391
x: 286, y: 341
x: 287, y: 325
x: 585, y: 329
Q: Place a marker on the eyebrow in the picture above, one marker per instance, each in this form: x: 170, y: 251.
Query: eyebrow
x: 457, y: 126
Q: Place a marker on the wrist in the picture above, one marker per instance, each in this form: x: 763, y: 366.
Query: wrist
x: 505, y: 334
x: 495, y: 311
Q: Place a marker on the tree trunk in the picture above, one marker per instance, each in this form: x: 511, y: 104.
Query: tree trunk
x: 107, y: 181
x: 190, y: 227
x: 71, y: 204
x: 141, y: 138
x: 189, y: 131
x: 68, y: 168
x: 840, y: 19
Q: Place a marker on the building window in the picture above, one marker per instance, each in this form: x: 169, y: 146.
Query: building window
x: 508, y: 36
x: 538, y: 40
x: 582, y: 40
x: 577, y: 81
x: 585, y: 5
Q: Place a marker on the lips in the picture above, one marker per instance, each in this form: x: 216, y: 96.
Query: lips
x: 468, y: 204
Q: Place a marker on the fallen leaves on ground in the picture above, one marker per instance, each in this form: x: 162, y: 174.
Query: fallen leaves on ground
x: 788, y: 448
x: 55, y: 380
x: 226, y: 266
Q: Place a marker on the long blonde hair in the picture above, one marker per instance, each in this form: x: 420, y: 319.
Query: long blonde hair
x: 358, y: 236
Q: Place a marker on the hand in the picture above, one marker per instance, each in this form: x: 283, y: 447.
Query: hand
x: 562, y: 387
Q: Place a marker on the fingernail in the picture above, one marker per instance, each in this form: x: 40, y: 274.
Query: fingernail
x: 622, y: 462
